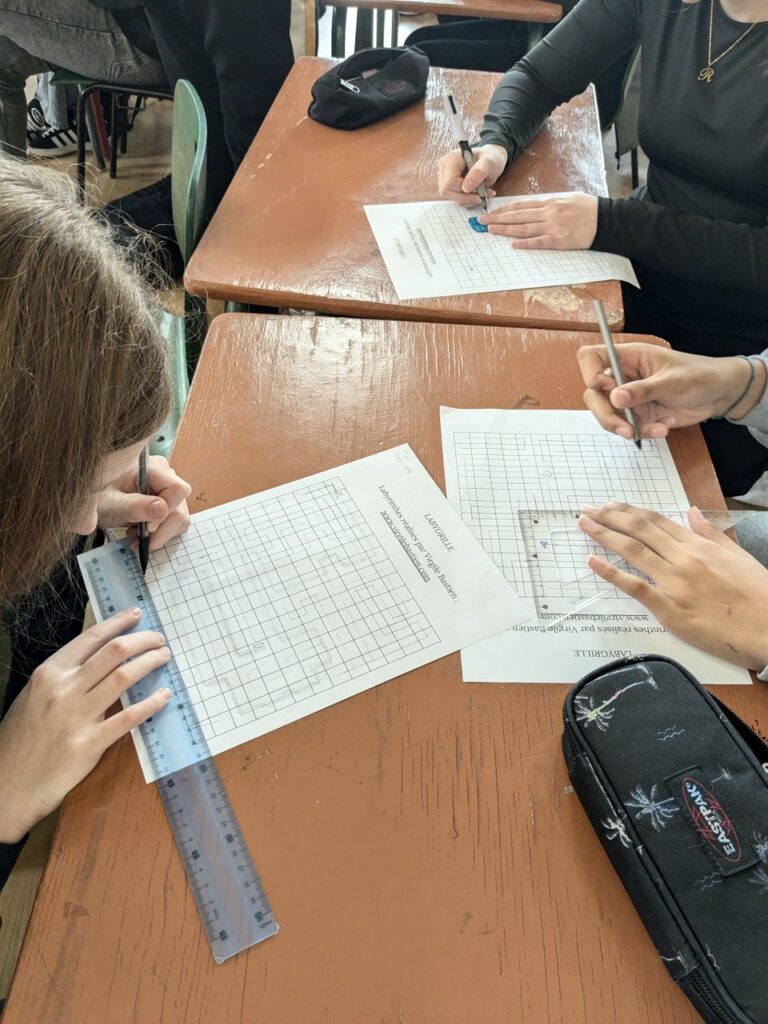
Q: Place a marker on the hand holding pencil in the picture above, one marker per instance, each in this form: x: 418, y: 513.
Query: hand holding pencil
x: 664, y: 389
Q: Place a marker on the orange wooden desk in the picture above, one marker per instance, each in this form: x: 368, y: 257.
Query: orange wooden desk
x: 291, y: 230
x: 512, y: 10
x: 419, y: 846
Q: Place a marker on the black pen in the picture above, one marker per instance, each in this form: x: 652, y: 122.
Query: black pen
x: 613, y: 359
x: 461, y: 138
x: 143, y: 531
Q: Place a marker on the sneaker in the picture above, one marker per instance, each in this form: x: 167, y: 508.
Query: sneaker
x: 53, y: 142
x: 36, y: 123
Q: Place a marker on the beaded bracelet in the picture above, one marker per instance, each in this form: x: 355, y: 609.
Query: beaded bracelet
x: 744, y: 393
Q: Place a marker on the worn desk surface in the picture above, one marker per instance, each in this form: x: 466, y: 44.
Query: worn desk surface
x: 418, y: 843
x: 291, y: 230
x: 513, y: 10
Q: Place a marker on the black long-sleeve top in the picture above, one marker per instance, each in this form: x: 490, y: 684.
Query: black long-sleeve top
x: 705, y: 218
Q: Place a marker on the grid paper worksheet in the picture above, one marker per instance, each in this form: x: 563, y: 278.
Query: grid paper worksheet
x: 285, y: 602
x: 511, y: 485
x: 518, y: 478
x: 430, y: 250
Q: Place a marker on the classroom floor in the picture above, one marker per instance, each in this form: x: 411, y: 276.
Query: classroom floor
x: 147, y: 160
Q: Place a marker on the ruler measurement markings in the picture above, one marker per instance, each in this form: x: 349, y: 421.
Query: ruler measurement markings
x: 224, y: 881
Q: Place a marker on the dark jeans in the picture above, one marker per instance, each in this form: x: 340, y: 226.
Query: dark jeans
x: 478, y: 44
x: 236, y: 54
x: 738, y: 458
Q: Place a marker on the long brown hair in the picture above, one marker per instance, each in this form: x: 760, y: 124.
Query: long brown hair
x: 82, y: 367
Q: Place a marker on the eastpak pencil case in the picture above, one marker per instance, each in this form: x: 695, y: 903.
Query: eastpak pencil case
x: 676, y: 788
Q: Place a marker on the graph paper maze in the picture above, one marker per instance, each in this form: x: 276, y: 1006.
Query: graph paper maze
x: 276, y: 602
x: 520, y: 495
x: 480, y: 261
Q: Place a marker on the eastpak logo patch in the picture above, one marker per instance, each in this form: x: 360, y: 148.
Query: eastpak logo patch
x: 713, y: 823
x: 710, y: 820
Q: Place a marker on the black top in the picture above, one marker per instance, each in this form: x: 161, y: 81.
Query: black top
x: 706, y: 215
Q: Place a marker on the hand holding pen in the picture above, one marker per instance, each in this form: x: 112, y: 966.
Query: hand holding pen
x: 164, y: 510
x: 465, y: 174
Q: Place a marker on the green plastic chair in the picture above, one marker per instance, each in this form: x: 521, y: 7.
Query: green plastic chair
x: 184, y: 335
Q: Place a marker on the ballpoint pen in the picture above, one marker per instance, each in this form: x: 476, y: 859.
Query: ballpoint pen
x: 461, y: 138
x: 143, y: 531
x: 618, y: 376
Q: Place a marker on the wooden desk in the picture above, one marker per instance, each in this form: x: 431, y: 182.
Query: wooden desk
x: 291, y: 230
x: 537, y: 12
x: 418, y: 843
x: 511, y: 10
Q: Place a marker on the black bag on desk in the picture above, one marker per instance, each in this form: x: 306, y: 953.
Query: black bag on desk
x: 368, y: 86
x: 676, y: 788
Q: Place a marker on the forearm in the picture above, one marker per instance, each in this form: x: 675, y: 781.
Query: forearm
x: 573, y: 54
x: 684, y: 244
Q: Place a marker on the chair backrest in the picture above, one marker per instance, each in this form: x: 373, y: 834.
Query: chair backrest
x: 188, y: 166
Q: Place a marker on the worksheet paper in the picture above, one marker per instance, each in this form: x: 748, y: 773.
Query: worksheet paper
x: 285, y: 602
x: 502, y: 465
x: 430, y: 249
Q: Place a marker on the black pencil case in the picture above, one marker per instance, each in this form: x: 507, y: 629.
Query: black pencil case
x: 675, y: 786
x: 368, y: 86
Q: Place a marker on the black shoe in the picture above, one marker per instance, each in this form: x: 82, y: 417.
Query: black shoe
x: 150, y: 210
x: 36, y: 122
x: 53, y: 142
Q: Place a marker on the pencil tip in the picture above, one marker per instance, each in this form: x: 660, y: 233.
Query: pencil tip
x: 639, y: 445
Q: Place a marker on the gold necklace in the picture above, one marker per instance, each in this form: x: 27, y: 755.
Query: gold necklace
x: 707, y: 73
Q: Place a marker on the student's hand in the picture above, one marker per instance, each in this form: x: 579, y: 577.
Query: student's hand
x: 55, y: 731
x: 664, y: 389
x: 455, y: 182
x: 165, y: 509
x: 708, y: 591
x: 568, y: 222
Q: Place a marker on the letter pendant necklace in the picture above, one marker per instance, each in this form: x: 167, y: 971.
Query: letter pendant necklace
x: 707, y: 73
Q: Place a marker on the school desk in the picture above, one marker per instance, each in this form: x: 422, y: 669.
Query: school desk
x: 419, y: 843
x: 536, y: 13
x: 291, y: 230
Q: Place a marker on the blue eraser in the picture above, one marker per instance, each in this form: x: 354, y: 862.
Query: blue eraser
x: 475, y: 224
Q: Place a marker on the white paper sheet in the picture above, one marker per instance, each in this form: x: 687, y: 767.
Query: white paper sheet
x: 430, y: 250
x: 498, y: 463
x: 285, y: 602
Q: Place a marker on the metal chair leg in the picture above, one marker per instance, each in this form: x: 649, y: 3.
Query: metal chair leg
x: 635, y: 169
x: 80, y: 129
x: 113, y: 134
x: 97, y: 131
x: 395, y: 28
x: 380, y: 16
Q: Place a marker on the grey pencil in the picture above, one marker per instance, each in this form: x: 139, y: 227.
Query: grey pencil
x: 618, y: 376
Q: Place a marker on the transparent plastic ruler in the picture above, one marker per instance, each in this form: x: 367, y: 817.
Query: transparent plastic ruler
x: 555, y: 551
x: 230, y: 897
